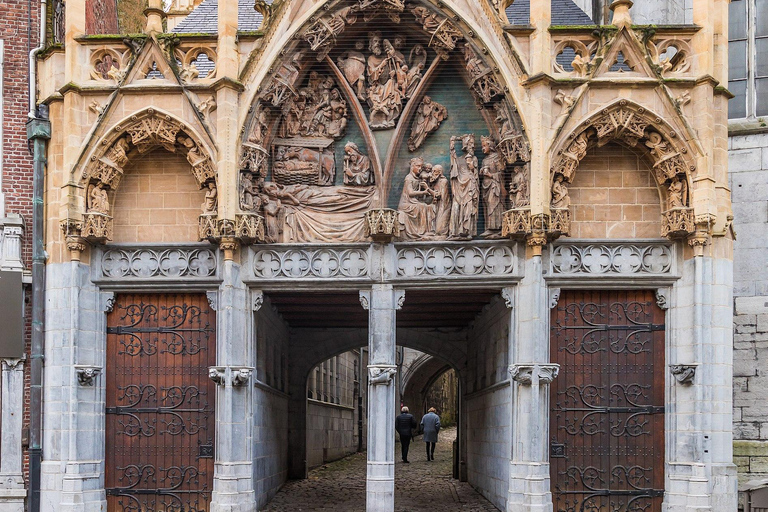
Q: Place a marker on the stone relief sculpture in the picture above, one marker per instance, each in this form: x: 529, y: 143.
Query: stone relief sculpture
x: 560, y: 198
x: 414, y: 203
x: 518, y: 189
x: 321, y: 36
x: 429, y: 115
x: 484, y: 84
x: 464, y: 189
x: 250, y: 200
x: 210, y: 204
x: 444, y: 34
x: 318, y: 110
x: 299, y: 165
x: 492, y: 174
x: 282, y: 85
x: 357, y: 167
x: 676, y: 194
x: 98, y: 202
x: 441, y: 203
x: 352, y: 64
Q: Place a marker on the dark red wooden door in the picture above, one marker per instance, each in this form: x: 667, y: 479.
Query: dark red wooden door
x: 160, y: 403
x: 607, y: 405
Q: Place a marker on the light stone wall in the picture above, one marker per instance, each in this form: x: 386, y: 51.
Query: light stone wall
x: 662, y: 12
x: 749, y: 185
x: 487, y: 404
x: 614, y: 196
x: 331, y: 432
x: 158, y: 200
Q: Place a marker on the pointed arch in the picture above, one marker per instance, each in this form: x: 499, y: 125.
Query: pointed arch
x: 630, y: 124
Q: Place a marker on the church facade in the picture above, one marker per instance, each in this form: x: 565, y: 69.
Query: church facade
x: 542, y: 204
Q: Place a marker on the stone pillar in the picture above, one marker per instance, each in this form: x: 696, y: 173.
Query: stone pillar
x: 382, y: 301
x: 12, y: 491
x: 233, y: 470
x: 531, y: 373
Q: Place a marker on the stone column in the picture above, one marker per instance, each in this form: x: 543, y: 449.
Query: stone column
x: 233, y: 470
x: 531, y: 373
x: 12, y: 491
x: 382, y: 301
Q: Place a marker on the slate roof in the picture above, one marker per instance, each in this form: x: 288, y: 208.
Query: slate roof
x: 564, y: 12
x: 205, y: 18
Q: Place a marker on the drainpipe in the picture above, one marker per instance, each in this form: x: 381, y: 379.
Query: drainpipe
x: 38, y: 132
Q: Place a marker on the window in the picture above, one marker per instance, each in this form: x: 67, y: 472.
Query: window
x: 748, y: 58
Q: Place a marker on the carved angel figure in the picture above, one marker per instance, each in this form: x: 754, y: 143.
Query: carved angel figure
x: 464, y: 189
x: 676, y: 194
x: 560, y: 198
x: 429, y: 115
x: 492, y: 174
x: 98, y: 201
x: 118, y: 153
x: 503, y: 123
x: 519, y: 188
x: 357, y: 167
x: 211, y: 201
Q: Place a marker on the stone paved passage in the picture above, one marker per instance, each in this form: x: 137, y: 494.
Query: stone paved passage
x: 419, y: 486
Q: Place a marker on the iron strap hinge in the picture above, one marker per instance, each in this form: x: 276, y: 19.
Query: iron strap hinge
x: 647, y: 409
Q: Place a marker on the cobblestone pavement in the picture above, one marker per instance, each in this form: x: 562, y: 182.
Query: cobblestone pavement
x: 420, y: 485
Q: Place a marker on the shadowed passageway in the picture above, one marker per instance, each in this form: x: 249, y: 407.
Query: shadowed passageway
x: 419, y: 486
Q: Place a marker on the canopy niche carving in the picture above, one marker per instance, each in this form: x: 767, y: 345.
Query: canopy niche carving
x: 630, y: 125
x: 350, y: 114
x: 101, y: 175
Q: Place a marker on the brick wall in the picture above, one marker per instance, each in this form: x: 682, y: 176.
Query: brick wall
x: 614, y: 196
x: 158, y: 200
x: 18, y: 30
x: 748, y: 172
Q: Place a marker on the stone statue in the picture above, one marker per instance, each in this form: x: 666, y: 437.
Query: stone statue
x: 560, y: 198
x: 352, y: 65
x: 429, y: 115
x: 492, y: 174
x: 338, y: 123
x: 441, y: 203
x: 98, y: 202
x: 249, y: 193
x: 318, y: 110
x: 503, y: 123
x: 357, y: 167
x: 386, y: 79
x: 676, y: 194
x: 417, y: 62
x: 118, y: 153
x: 464, y: 189
x: 414, y: 208
x: 211, y: 199
x: 519, y: 188
x: 260, y: 127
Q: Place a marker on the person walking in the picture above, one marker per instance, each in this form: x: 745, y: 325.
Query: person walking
x: 404, y: 425
x: 430, y: 426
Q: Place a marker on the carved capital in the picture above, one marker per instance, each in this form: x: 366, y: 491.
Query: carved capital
x: 698, y: 241
x: 365, y: 299
x: 381, y: 374
x: 217, y: 374
x: 508, y: 294
x: 683, y: 373
x: 12, y: 364
x: 522, y: 374
x: 86, y: 374
x: 229, y: 245
x: 382, y: 224
x: 76, y: 247
x: 548, y: 372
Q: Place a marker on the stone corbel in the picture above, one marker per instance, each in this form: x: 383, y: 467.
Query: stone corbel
x: 257, y: 296
x: 382, y: 224
x: 72, y: 230
x: 554, y: 297
x: 365, y: 299
x: 217, y: 374
x: 213, y: 299
x: 524, y: 374
x: 13, y: 364
x: 381, y: 374
x: 508, y: 294
x: 399, y: 299
x: 662, y: 298
x: 683, y: 373
x: 241, y: 375
x: 86, y: 374
x: 107, y: 301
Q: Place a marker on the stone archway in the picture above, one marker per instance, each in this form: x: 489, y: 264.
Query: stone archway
x: 628, y: 124
x: 100, y: 177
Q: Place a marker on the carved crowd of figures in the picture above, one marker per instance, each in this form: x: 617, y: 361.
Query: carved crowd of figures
x: 318, y: 110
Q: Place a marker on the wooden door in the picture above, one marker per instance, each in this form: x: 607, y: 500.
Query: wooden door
x: 607, y: 404
x: 160, y: 403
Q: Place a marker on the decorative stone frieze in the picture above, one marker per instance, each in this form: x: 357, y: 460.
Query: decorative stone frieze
x: 677, y: 223
x: 430, y: 261
x: 621, y: 258
x: 158, y: 263
x: 312, y: 263
x: 382, y: 224
x: 379, y: 375
x: 86, y: 374
x: 683, y: 373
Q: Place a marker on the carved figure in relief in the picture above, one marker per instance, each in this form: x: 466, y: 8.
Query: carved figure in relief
x: 417, y: 62
x: 301, y: 165
x: 318, y: 110
x: 260, y: 127
x: 281, y: 87
x: 560, y: 198
x: 519, y: 187
x: 429, y: 115
x: 98, y: 201
x: 338, y: 123
x: 441, y: 202
x: 357, y: 167
x: 118, y: 153
x: 579, y: 147
x: 385, y: 91
x: 352, y: 64
x: 211, y: 201
x: 657, y: 145
x: 676, y: 194
x: 322, y: 35
x: 503, y: 123
x: 413, y: 207
x: 250, y: 201
x: 464, y: 189
x: 580, y: 64
x: 492, y: 174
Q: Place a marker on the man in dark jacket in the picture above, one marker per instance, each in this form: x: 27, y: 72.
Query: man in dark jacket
x: 404, y: 425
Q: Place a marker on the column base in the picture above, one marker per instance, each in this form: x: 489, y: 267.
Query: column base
x: 690, y: 490
x: 380, y: 487
x: 233, y: 488
x: 12, y: 499
x: 529, y: 488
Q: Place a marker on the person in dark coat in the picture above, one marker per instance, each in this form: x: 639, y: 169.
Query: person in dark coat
x: 430, y: 426
x: 404, y: 425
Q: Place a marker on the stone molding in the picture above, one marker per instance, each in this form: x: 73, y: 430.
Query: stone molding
x: 12, y: 364
x: 156, y: 263
x: 683, y: 373
x: 86, y: 374
x: 381, y: 374
x: 617, y: 258
x: 460, y: 260
x: 524, y: 374
x: 297, y: 262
